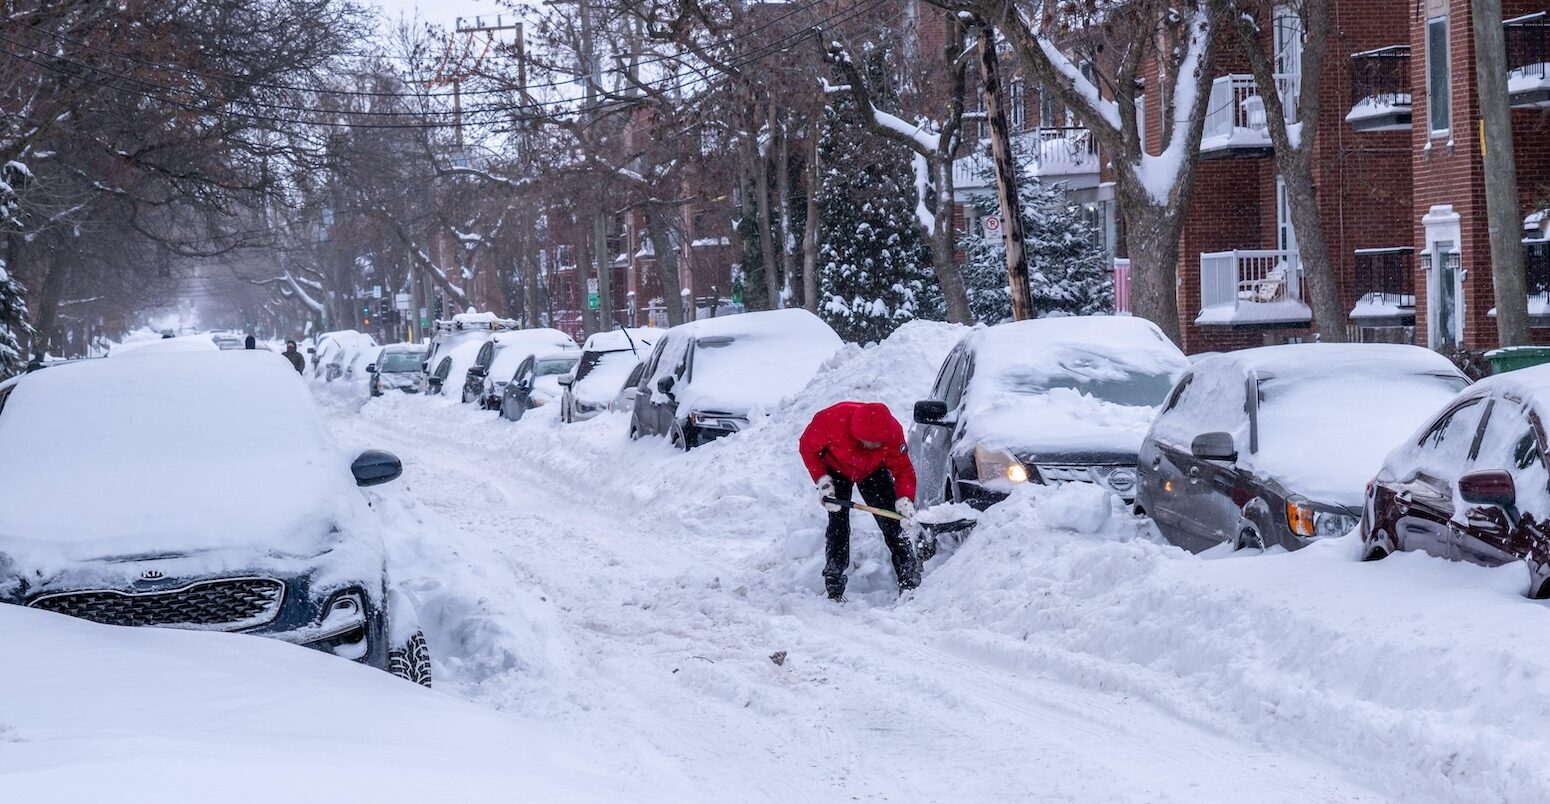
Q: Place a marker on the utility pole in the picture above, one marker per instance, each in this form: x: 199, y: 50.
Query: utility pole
x: 1006, y: 176
x: 1501, y: 174
x: 599, y: 220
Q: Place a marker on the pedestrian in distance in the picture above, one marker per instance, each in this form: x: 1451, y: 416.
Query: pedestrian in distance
x: 859, y: 445
x: 299, y: 362
x: 250, y: 343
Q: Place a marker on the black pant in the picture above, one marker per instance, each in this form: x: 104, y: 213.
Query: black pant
x: 877, y: 490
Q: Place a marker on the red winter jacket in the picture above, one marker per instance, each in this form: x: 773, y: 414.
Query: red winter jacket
x: 831, y: 444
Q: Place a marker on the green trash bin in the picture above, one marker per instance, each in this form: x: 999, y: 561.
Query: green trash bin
x: 1513, y: 358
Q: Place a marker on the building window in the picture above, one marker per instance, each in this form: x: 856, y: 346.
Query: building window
x: 1438, y: 91
x: 1047, y: 116
x: 1014, y: 105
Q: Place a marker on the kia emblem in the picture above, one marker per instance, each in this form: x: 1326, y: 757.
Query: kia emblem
x: 152, y: 575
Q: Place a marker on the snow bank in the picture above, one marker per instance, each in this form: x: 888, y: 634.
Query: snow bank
x: 96, y: 713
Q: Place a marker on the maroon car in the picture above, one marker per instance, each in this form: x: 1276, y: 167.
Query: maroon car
x: 1471, y: 485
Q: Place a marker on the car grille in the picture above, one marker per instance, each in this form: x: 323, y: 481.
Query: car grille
x: 1099, y: 474
x: 228, y: 604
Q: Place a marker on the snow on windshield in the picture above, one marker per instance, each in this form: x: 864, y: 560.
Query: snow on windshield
x: 600, y: 375
x: 515, y: 347
x: 754, y: 360
x: 1064, y: 383
x: 226, y: 446
x: 400, y: 361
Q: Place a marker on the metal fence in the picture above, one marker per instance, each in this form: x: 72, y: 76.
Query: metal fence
x: 1382, y: 75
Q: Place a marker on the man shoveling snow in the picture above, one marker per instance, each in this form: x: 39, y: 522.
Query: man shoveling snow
x: 860, y: 444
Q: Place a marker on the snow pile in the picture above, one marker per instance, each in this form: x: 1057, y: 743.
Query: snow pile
x: 96, y: 713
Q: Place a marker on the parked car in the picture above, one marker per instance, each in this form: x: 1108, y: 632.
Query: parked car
x: 607, y: 361
x: 1273, y: 446
x: 453, y: 363
x: 706, y: 378
x: 454, y: 332
x: 1051, y: 400
x: 536, y: 383
x: 499, y: 358
x: 198, y: 491
x: 397, y: 368
x: 1471, y: 483
x: 625, y: 399
x: 342, y: 355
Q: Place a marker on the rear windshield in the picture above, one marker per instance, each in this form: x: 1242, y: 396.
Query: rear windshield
x: 553, y: 365
x: 400, y: 361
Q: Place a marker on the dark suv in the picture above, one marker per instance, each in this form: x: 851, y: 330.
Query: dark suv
x: 1049, y: 401
x: 1471, y: 484
x: 1272, y: 446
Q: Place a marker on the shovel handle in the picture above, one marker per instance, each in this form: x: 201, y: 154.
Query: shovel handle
x: 883, y: 512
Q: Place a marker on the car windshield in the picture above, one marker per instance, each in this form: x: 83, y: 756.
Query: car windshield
x: 1119, y: 385
x: 551, y: 366
x: 400, y: 361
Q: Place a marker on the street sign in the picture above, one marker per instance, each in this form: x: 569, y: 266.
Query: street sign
x: 401, y: 301
x: 376, y: 291
x: 593, y: 301
x: 992, y: 226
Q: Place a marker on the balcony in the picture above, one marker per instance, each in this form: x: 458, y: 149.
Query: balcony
x: 1536, y: 274
x: 1385, y: 287
x: 1528, y: 61
x: 1235, y: 116
x: 1066, y: 154
x: 1380, y: 89
x: 1252, y: 288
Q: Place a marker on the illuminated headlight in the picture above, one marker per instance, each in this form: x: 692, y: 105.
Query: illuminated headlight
x: 998, y: 465
x: 1122, y: 480
x: 717, y: 422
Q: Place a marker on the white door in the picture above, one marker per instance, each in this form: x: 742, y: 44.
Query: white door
x: 1288, y: 42
x: 1286, y: 237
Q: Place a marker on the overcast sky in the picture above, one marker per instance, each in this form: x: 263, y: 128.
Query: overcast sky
x: 443, y: 12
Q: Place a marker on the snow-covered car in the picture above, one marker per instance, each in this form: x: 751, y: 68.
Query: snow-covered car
x: 197, y: 491
x: 706, y: 378
x: 454, y: 332
x: 1274, y: 446
x: 536, y: 383
x: 397, y: 368
x: 607, y: 360
x: 342, y: 355
x: 452, y: 363
x: 500, y: 357
x: 228, y: 341
x: 1049, y: 401
x: 625, y: 399
x: 1471, y: 483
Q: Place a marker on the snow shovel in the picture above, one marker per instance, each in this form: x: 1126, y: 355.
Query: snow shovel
x: 924, y: 544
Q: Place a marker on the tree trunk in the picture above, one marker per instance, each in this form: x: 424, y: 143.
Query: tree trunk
x: 944, y: 251
x: 767, y: 246
x: 783, y: 194
x: 666, y: 263
x: 1501, y: 177
x: 530, y: 264
x: 1152, y: 240
x: 1313, y: 250
x: 1006, y: 178
x: 810, y: 231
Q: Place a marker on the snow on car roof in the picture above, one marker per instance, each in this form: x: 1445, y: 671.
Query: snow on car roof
x: 777, y: 352
x: 225, y: 446
x: 1048, y: 343
x: 614, y: 340
x: 183, y: 343
x: 1307, y: 359
x: 521, y: 344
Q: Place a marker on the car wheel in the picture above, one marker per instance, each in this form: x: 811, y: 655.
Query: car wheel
x: 678, y: 438
x: 412, y: 662
x: 1249, y: 539
x: 1377, y: 547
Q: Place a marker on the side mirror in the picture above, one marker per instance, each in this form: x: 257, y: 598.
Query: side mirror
x: 375, y: 467
x: 478, y: 371
x: 930, y: 411
x: 1488, y: 488
x: 665, y: 385
x: 371, y: 368
x: 1214, y: 447
x: 312, y: 350
x: 566, y: 380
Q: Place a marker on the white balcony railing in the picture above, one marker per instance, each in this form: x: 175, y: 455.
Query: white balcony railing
x: 1248, y: 286
x: 1235, y: 114
x: 1046, y: 151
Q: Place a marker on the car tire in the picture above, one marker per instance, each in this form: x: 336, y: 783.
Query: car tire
x: 412, y: 662
x: 1249, y: 539
x: 1377, y: 548
x: 678, y: 438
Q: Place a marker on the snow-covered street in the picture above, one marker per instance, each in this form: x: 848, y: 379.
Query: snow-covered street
x: 632, y: 597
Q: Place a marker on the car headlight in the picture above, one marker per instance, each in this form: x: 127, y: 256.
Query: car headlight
x: 998, y: 464
x: 704, y: 422
x: 340, y: 629
x: 1305, y: 521
x: 1122, y: 479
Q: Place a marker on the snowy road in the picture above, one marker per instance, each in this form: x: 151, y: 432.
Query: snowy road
x: 655, y: 640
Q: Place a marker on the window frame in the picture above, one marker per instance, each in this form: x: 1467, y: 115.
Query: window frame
x: 1447, y: 78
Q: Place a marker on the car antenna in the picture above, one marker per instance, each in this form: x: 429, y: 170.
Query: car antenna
x: 627, y: 337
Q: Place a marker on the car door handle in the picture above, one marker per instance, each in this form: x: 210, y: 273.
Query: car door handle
x: 1156, y: 461
x: 1194, y: 473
